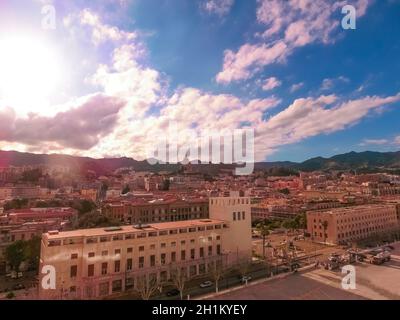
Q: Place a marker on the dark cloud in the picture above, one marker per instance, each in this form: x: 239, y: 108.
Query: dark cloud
x: 78, y: 128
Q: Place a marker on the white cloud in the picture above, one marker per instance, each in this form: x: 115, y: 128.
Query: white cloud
x: 387, y: 142
x: 367, y: 142
x: 329, y: 83
x: 288, y: 25
x: 247, y: 61
x: 308, y: 117
x: 296, y: 86
x: 218, y: 7
x: 271, y: 83
x: 100, y: 32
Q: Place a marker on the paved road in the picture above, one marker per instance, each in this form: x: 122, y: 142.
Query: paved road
x: 293, y: 287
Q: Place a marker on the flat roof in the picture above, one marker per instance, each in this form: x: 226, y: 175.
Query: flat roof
x: 131, y: 229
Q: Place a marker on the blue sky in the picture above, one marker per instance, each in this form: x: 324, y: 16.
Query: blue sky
x: 285, y: 68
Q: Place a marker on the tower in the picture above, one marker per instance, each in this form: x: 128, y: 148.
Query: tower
x: 236, y: 211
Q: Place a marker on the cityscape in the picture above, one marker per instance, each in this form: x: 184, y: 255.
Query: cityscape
x: 202, y: 150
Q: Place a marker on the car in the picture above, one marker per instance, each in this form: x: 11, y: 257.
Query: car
x: 206, y: 284
x: 18, y: 286
x: 173, y: 292
x: 246, y: 279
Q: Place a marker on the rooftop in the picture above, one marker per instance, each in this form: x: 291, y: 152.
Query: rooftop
x: 132, y: 229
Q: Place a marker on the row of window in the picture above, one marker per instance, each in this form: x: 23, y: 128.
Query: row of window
x: 230, y: 201
x: 104, y: 270
x: 114, y: 286
x: 163, y: 245
x: 239, y: 215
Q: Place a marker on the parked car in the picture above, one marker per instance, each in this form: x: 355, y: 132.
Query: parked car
x: 173, y: 292
x: 19, y: 286
x: 206, y: 284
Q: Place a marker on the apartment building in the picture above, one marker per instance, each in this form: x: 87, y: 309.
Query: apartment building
x: 96, y: 263
x: 157, y: 210
x: 347, y: 224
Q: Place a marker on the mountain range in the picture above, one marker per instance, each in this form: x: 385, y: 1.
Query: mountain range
x: 363, y: 161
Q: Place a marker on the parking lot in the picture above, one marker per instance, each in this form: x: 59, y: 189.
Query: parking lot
x: 377, y: 282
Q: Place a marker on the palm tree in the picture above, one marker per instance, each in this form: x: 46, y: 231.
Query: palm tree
x: 263, y: 228
x: 325, y: 226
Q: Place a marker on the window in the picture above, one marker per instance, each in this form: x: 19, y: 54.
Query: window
x: 141, y: 262
x: 173, y: 244
x: 218, y: 249
x: 183, y: 242
x: 152, y: 260
x: 192, y: 241
x: 129, y: 283
x: 104, y: 288
x: 162, y: 258
x: 90, y: 270
x: 141, y: 248
x: 104, y: 268
x: 117, y: 265
x: 163, y: 245
x: 129, y: 264
x: 192, y: 254
x: 234, y: 216
x: 173, y: 256
x: 73, y: 271
x: 91, y: 240
x: 91, y: 254
x: 116, y: 285
x: 183, y: 255
x: 74, y: 256
x: 104, y: 253
x: 210, y: 250
x: 103, y: 239
x: 243, y: 215
x: 152, y: 246
x: 117, y: 251
x: 129, y: 250
x: 218, y: 237
x: 201, y: 252
x: 238, y: 215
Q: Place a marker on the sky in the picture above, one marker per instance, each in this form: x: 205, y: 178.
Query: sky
x: 106, y: 79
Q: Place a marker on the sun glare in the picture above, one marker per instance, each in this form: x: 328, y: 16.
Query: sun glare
x: 29, y: 73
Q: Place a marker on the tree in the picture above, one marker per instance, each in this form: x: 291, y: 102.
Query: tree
x: 179, y: 277
x: 125, y: 190
x: 325, y: 226
x: 165, y: 185
x: 15, y: 254
x: 94, y: 219
x: 285, y: 191
x: 263, y: 228
x: 243, y: 266
x: 16, y: 204
x: 217, y: 272
x: 32, y: 250
x: 146, y: 286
